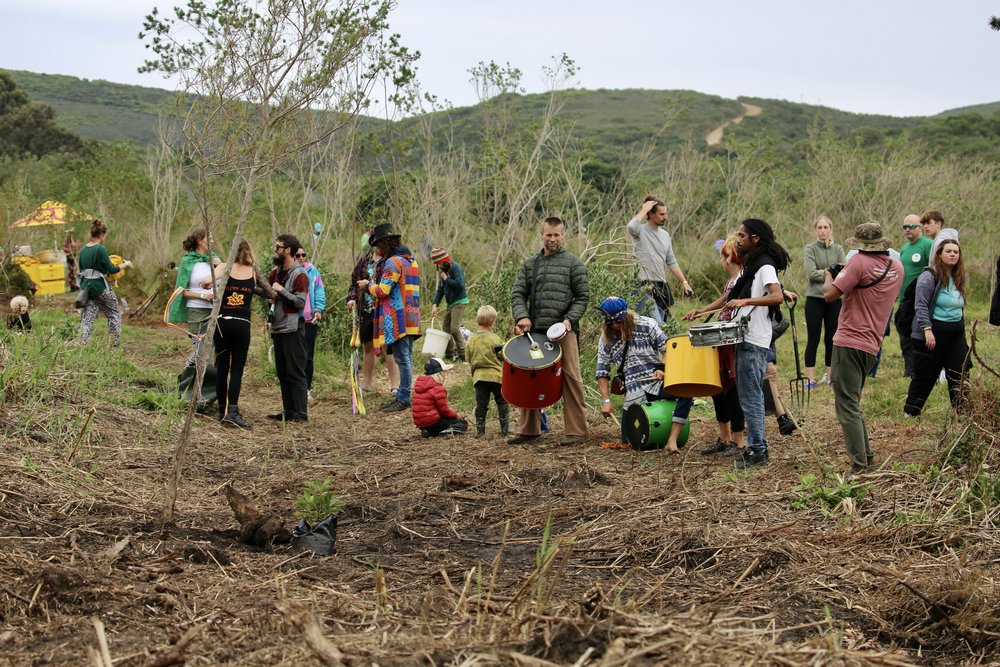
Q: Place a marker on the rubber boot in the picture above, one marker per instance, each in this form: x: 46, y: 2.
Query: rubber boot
x: 504, y: 419
x: 480, y: 426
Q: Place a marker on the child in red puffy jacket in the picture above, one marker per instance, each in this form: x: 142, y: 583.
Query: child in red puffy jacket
x: 431, y: 413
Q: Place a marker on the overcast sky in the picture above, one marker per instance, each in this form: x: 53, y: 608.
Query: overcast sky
x: 898, y: 57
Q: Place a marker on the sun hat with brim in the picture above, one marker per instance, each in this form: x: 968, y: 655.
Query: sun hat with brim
x: 381, y: 232
x: 868, y: 237
x: 435, y: 365
x: 614, y: 308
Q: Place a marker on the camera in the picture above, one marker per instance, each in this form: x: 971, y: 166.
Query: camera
x: 835, y: 269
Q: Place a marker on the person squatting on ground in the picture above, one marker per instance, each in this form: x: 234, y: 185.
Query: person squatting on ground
x: 635, y: 344
x: 483, y: 354
x: 362, y: 304
x: 821, y: 317
x: 232, y: 332
x: 397, y: 308
x: 869, y: 283
x: 653, y: 249
x: 431, y: 412
x: 451, y: 287
x: 756, y: 290
x: 95, y: 266
x: 728, y: 413
x: 914, y: 255
x: 312, y: 313
x: 194, y: 307
x: 938, y: 330
x: 291, y: 286
x: 19, y: 320
x: 552, y: 287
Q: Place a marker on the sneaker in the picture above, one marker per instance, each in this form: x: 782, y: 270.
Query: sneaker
x: 825, y: 380
x: 235, y: 419
x: 395, y: 406
x: 309, y: 395
x: 785, y: 425
x: 811, y: 384
x: 297, y: 418
x: 520, y: 439
x: 716, y: 447
x: 749, y: 459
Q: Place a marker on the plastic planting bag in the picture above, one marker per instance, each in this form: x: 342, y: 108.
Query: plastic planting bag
x: 318, y: 539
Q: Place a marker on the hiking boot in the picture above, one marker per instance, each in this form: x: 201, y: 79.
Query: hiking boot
x: 572, y: 440
x: 520, y: 439
x: 480, y: 426
x: 277, y: 416
x: 717, y: 447
x: 733, y: 450
x: 785, y: 425
x: 394, y: 406
x: 750, y: 458
x: 504, y: 411
x: 233, y: 418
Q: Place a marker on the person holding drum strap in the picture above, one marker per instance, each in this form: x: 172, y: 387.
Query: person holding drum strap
x: 552, y: 287
x: 642, y: 364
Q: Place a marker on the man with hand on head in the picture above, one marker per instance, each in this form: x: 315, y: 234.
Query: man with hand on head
x: 654, y: 250
x: 552, y: 287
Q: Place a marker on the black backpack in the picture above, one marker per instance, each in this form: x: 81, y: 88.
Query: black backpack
x: 907, y: 308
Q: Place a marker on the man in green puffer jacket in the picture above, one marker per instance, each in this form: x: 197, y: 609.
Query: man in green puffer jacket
x: 552, y: 287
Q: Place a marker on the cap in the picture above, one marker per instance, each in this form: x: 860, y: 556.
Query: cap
x: 614, y: 308
x: 435, y: 365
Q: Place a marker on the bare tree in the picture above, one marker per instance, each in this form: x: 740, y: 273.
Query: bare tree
x: 253, y: 73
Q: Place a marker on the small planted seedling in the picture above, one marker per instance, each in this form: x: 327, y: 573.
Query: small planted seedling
x: 317, y: 509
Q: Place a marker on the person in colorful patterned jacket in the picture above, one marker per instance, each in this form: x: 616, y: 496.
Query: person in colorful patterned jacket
x: 312, y: 313
x: 397, y: 308
x: 431, y: 412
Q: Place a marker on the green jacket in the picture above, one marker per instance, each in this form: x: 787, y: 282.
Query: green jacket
x: 817, y: 258
x: 551, y: 289
x: 95, y: 257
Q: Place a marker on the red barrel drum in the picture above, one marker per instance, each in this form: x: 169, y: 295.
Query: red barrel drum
x: 532, y: 372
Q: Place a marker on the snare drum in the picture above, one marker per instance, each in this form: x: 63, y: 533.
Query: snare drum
x: 717, y: 334
x: 532, y: 372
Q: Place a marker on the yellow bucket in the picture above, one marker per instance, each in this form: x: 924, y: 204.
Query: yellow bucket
x: 690, y: 371
x: 119, y: 262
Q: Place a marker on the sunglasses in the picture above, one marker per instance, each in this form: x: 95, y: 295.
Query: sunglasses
x: 278, y: 246
x: 300, y: 255
x: 910, y: 226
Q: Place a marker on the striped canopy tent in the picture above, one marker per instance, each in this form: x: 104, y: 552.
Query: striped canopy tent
x: 51, y: 213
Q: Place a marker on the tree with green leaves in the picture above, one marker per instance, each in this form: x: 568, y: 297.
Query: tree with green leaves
x: 261, y: 82
x: 28, y: 129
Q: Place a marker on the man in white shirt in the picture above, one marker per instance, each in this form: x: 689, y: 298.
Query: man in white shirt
x: 653, y: 249
x: 756, y: 290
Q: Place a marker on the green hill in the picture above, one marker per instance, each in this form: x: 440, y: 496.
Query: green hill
x: 607, y: 122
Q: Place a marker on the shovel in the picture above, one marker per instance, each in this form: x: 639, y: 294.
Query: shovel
x: 799, y: 387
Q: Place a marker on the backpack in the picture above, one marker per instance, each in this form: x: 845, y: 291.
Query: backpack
x: 907, y: 307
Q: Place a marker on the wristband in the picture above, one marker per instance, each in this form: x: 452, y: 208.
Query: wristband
x: 605, y: 401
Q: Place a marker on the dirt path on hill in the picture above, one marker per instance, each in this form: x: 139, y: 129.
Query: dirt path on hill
x: 714, y: 138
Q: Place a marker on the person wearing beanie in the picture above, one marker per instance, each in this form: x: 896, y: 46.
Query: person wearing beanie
x: 431, y: 413
x: 869, y: 283
x: 451, y: 287
x: 635, y: 344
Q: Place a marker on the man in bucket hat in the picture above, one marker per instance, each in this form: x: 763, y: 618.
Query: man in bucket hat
x: 396, y: 291
x: 869, y: 283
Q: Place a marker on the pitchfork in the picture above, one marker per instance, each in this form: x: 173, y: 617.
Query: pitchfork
x: 799, y: 387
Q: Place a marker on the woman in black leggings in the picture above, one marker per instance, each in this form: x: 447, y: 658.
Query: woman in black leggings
x: 232, y: 333
x: 820, y: 315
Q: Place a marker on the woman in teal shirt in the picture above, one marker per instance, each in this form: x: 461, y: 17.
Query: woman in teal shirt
x: 95, y: 266
x: 938, y: 331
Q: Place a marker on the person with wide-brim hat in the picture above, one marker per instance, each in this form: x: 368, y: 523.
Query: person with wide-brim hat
x: 869, y: 283
x: 396, y: 319
x: 363, y: 305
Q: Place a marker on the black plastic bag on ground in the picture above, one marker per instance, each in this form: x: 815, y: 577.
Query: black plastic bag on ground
x: 318, y: 539
x: 185, y: 381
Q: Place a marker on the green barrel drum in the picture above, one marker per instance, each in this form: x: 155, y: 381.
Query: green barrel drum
x: 647, y: 425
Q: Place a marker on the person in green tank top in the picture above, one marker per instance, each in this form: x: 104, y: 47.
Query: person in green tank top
x: 95, y: 267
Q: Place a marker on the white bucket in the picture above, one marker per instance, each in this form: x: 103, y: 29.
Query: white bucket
x: 436, y: 343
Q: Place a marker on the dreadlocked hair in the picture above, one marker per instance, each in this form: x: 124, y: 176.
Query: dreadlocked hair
x: 766, y: 245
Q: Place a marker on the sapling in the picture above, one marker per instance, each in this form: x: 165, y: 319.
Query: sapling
x: 317, y: 502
